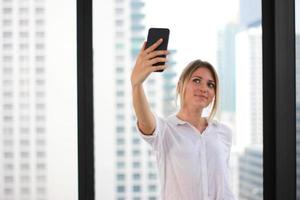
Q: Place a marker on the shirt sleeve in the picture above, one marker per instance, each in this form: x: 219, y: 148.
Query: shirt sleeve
x: 155, y: 139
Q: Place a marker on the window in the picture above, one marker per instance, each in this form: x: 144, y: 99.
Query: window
x: 152, y: 188
x: 136, y: 164
x: 136, y: 176
x: 231, y: 42
x: 39, y: 10
x: 9, y: 179
x: 23, y: 10
x: 7, y: 10
x: 152, y: 176
x: 38, y: 100
x: 121, y: 189
x: 136, y: 152
x: 7, y: 22
x: 120, y: 165
x: 136, y: 188
x: 120, y: 153
x: 121, y: 176
x: 110, y: 126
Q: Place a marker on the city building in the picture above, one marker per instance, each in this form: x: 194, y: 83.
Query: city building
x: 249, y: 87
x: 227, y: 77
x: 136, y: 175
x: 249, y: 119
x: 251, y: 174
x: 22, y: 101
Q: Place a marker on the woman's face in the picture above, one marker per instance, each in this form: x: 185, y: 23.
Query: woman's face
x: 200, y: 89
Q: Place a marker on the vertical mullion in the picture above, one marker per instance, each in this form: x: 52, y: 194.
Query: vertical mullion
x: 285, y: 99
x: 279, y: 109
x: 85, y: 101
x: 269, y: 147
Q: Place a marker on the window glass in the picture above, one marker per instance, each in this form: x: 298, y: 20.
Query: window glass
x: 38, y: 100
x: 231, y: 41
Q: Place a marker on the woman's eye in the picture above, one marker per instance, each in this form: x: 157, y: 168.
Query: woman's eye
x: 211, y: 85
x: 197, y: 81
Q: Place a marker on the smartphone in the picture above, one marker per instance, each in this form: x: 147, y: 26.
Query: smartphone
x: 155, y: 34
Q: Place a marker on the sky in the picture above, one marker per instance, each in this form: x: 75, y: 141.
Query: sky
x: 193, y: 25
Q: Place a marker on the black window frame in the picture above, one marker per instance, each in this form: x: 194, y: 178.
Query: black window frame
x: 279, y: 104
x: 85, y: 105
x: 279, y: 99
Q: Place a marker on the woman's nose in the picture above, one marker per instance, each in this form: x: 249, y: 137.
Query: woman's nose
x: 202, y: 86
x: 203, y: 90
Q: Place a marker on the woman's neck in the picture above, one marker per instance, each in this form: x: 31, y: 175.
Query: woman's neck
x: 192, y: 116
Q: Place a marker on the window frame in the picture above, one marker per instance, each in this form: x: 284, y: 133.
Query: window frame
x: 85, y: 103
x: 279, y: 133
x: 279, y: 100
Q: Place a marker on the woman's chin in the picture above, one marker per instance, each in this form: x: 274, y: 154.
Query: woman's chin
x: 200, y: 105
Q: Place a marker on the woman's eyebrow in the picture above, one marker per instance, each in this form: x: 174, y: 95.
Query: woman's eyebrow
x: 201, y: 78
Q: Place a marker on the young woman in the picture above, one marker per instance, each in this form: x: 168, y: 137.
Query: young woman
x: 192, y: 151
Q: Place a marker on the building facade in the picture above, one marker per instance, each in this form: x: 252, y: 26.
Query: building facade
x: 23, y: 110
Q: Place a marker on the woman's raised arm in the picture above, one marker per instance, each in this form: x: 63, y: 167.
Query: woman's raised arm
x: 142, y: 69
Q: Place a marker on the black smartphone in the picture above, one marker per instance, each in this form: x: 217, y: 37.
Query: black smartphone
x: 155, y: 34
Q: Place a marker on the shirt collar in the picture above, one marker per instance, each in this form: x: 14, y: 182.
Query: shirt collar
x: 176, y: 121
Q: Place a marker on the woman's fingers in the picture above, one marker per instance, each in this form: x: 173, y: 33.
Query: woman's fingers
x: 149, y: 56
x: 160, y: 67
x: 156, y: 60
x: 154, y: 46
x: 144, y: 63
x: 154, y: 54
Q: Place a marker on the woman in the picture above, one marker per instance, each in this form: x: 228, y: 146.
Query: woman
x: 192, y: 151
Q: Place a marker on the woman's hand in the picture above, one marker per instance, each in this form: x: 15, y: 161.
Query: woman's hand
x: 145, y: 61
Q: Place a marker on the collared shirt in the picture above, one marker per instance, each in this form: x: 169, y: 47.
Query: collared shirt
x: 192, y: 166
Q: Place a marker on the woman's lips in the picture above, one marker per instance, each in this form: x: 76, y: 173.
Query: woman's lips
x: 201, y: 96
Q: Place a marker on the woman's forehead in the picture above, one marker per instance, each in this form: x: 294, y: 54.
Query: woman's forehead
x: 204, y: 73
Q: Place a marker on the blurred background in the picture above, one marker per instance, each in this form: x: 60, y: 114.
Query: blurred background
x: 225, y: 33
x: 38, y: 99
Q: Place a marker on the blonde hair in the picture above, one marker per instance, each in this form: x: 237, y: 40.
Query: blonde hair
x: 186, y: 76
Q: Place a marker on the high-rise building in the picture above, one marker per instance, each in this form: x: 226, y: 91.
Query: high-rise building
x: 136, y: 174
x: 249, y: 124
x: 169, y: 87
x: 227, y: 75
x: 249, y: 119
x: 22, y: 101
x: 251, y: 174
x: 249, y: 87
x: 132, y: 165
x: 226, y: 66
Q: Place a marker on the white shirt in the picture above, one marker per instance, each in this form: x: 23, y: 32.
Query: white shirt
x: 192, y: 166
